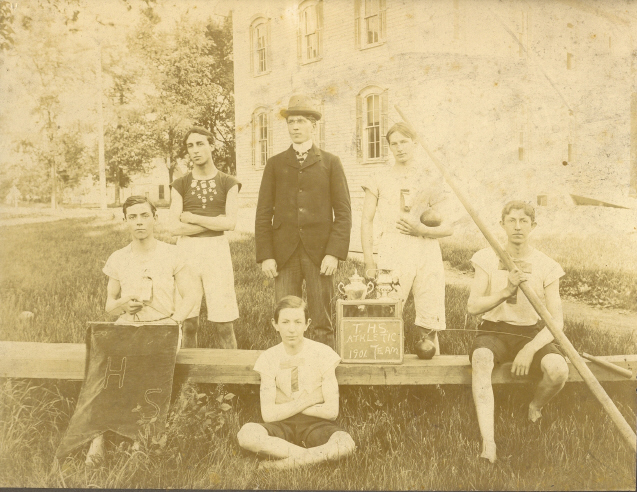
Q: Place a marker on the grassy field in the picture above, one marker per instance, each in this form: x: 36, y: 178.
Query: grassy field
x: 407, y: 438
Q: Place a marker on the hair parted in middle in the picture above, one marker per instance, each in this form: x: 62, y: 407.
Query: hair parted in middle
x: 290, y: 302
x: 403, y: 128
x: 527, y: 208
x: 201, y: 131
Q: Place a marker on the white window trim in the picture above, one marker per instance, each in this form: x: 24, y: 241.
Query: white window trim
x: 301, y: 47
x: 256, y: 161
x: 361, y: 109
x: 359, y: 31
x: 256, y: 22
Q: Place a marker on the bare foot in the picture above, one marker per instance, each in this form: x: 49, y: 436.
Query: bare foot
x: 488, y: 451
x: 534, y: 413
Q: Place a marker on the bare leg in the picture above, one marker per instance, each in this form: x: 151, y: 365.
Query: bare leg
x: 340, y: 445
x: 554, y: 375
x: 190, y: 328
x: 255, y: 438
x: 482, y: 365
x: 96, y: 452
x: 225, y: 332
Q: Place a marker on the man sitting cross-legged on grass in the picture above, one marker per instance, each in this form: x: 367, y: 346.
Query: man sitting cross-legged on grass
x: 142, y: 278
x: 299, y: 396
x: 520, y: 337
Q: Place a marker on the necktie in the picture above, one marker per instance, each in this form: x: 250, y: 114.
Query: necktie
x: 301, y: 156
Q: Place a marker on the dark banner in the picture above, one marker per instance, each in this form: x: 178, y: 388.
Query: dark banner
x: 127, y: 382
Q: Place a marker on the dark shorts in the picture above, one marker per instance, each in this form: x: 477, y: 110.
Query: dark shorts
x: 509, y: 340
x: 303, y: 430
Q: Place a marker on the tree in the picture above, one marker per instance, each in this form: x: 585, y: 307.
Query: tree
x: 6, y: 19
x: 47, y: 77
x: 192, y: 74
x: 129, y: 149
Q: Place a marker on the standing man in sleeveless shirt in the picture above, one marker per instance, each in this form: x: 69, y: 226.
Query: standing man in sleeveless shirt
x: 204, y: 204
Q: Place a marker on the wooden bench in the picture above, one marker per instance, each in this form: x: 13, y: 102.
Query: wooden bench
x: 66, y: 361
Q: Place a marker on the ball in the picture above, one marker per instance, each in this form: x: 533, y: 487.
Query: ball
x: 431, y: 218
x: 425, y: 349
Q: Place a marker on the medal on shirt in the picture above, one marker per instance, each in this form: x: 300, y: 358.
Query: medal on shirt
x: 523, y: 266
x: 405, y: 200
x: 146, y: 289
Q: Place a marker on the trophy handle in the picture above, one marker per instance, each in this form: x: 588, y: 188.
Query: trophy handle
x: 340, y: 288
x: 371, y: 270
x: 370, y: 287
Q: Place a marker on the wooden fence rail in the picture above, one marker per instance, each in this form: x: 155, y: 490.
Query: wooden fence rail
x: 66, y: 361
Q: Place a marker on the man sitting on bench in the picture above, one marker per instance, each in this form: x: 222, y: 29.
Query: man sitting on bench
x: 299, y: 397
x: 142, y: 280
x: 520, y: 337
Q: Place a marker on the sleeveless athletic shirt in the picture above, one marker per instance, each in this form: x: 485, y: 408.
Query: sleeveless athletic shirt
x: 205, y: 196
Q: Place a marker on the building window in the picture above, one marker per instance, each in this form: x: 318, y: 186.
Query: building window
x: 370, y: 22
x: 542, y: 200
x: 260, y: 46
x: 372, y: 125
x: 310, y: 33
x: 161, y: 192
x: 261, y: 137
x: 318, y: 137
x: 371, y: 117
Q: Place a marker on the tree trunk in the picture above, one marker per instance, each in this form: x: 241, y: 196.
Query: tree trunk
x: 53, y: 184
x: 171, y: 171
x: 117, y: 175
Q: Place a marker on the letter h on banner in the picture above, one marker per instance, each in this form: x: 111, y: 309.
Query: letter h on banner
x: 119, y: 372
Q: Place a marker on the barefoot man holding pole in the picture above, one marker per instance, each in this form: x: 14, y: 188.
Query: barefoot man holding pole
x: 520, y: 336
x: 611, y: 409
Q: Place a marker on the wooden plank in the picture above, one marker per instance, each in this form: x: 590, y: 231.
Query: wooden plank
x: 66, y: 361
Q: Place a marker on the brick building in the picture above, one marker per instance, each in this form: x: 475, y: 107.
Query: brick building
x: 547, y: 116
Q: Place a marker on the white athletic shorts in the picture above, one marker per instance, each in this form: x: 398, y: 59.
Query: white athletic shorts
x: 417, y: 262
x: 209, y: 258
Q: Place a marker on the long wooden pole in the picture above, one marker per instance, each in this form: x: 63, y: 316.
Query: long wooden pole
x: 593, y: 384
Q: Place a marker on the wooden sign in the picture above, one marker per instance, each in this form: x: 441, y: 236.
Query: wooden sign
x: 371, y: 340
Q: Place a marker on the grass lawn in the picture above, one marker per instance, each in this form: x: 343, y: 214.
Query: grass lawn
x: 407, y: 437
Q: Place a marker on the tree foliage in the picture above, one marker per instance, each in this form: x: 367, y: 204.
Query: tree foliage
x: 6, y: 31
x: 159, y: 76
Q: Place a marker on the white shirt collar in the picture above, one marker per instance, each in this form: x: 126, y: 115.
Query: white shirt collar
x: 304, y: 147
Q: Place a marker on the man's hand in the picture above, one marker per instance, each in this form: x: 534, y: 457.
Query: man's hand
x: 269, y: 268
x: 133, y: 306
x: 408, y: 225
x: 329, y: 265
x: 522, y: 362
x: 187, y: 217
x: 516, y: 277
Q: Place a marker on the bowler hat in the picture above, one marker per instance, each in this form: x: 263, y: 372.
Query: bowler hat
x: 300, y: 104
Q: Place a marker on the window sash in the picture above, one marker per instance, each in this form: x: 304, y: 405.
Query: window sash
x: 262, y: 143
x: 261, y: 47
x: 372, y: 29
x: 310, y: 28
x: 372, y: 126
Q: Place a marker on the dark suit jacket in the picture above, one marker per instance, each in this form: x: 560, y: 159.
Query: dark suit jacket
x: 308, y: 203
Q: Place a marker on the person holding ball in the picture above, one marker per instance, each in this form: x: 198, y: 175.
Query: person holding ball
x: 410, y: 200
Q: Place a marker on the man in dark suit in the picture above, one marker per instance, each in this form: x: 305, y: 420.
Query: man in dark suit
x: 304, y: 218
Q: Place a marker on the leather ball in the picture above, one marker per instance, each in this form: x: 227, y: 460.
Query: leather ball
x: 425, y: 349
x: 431, y: 218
